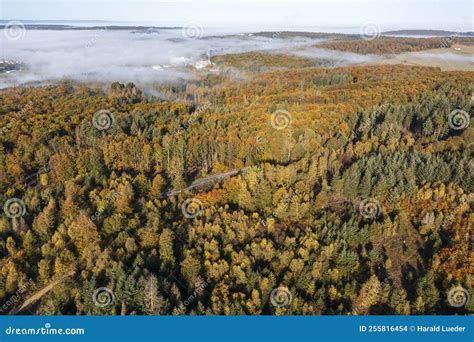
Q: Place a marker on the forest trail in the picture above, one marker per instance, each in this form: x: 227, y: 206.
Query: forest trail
x: 204, y: 181
x: 40, y: 294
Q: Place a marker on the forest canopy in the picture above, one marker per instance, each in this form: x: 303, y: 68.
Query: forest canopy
x: 346, y: 190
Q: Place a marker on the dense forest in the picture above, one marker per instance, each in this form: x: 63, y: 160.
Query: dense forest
x: 261, y: 62
x: 303, y: 191
x: 392, y: 45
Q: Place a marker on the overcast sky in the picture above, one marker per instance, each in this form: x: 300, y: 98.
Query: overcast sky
x: 388, y: 14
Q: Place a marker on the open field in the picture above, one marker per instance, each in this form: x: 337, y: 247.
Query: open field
x: 459, y: 57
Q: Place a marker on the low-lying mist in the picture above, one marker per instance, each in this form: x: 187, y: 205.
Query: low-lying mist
x: 153, y: 56
x: 339, y: 58
x: 150, y: 56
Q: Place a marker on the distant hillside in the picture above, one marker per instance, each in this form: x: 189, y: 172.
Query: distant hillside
x: 61, y: 27
x: 393, y: 45
x: 259, y: 61
x: 314, y: 35
x: 440, y: 33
